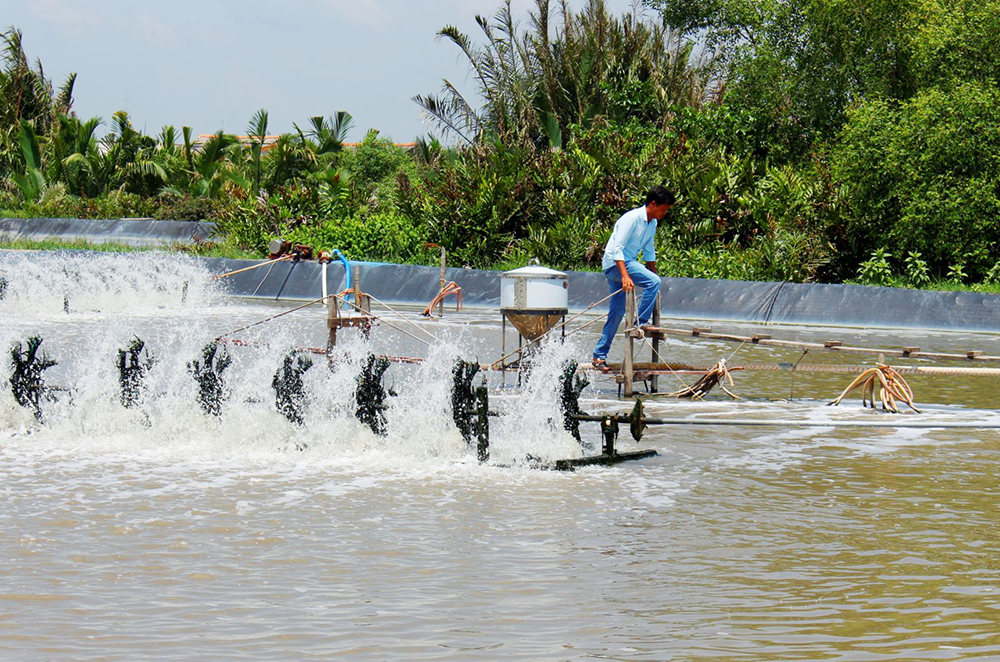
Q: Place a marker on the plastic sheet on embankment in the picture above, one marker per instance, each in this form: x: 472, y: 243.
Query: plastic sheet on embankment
x: 130, y: 231
x: 718, y: 300
x: 686, y: 298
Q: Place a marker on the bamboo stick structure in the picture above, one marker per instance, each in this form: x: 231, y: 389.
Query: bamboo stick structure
x: 630, y: 371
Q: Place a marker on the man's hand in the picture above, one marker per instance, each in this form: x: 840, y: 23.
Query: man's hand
x: 627, y: 283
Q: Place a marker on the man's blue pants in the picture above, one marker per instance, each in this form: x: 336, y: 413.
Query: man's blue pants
x: 642, y: 277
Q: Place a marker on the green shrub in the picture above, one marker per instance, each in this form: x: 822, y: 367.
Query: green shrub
x: 377, y: 237
x: 916, y: 272
x: 876, y: 270
x: 923, y: 176
x: 187, y: 208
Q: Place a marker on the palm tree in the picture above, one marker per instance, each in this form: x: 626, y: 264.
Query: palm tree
x: 208, y: 175
x: 26, y: 94
x: 504, y: 72
x: 327, y: 135
x: 257, y: 132
x: 71, y: 145
x: 536, y: 84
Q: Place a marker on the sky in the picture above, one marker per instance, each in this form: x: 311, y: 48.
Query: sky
x: 212, y: 64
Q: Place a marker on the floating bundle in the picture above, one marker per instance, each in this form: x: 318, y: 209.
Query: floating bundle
x: 718, y: 375
x: 891, y: 387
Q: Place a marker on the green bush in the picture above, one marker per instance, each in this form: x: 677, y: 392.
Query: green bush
x: 876, y: 270
x: 923, y: 176
x: 376, y: 237
x: 187, y: 208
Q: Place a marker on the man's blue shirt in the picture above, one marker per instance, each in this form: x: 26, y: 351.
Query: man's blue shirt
x: 632, y: 234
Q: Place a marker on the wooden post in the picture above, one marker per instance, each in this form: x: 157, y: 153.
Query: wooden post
x: 332, y: 322
x: 627, y: 369
x: 654, y: 381
x: 444, y: 264
x: 356, y: 280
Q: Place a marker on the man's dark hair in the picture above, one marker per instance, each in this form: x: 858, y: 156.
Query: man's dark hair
x: 660, y: 195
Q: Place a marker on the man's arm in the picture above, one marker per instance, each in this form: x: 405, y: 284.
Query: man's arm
x: 615, y: 248
x: 627, y: 283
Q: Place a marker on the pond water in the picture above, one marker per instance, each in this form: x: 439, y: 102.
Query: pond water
x: 163, y: 532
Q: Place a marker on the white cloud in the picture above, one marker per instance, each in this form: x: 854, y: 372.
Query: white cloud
x: 62, y: 13
x: 364, y: 12
x: 155, y: 30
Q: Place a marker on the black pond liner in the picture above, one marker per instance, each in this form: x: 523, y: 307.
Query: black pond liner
x: 682, y: 298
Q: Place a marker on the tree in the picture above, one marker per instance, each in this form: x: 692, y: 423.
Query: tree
x: 26, y: 94
x: 796, y: 66
x: 924, y: 176
x: 536, y: 84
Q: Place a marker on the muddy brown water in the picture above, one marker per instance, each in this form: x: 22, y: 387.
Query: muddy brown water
x: 170, y: 534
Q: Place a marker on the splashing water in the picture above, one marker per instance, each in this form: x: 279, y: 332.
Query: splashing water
x: 202, y: 397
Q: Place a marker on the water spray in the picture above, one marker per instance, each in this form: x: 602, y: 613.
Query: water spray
x: 211, y: 386
x: 132, y: 369
x: 289, y: 389
x: 26, y: 381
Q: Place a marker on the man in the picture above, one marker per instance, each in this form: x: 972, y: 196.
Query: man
x: 634, y: 232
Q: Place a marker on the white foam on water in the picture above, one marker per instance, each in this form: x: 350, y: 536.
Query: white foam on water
x: 115, y: 297
x: 111, y: 296
x: 106, y: 284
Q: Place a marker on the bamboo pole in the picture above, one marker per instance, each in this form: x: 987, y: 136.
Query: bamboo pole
x: 654, y: 380
x: 629, y: 375
x: 791, y: 423
x: 765, y: 340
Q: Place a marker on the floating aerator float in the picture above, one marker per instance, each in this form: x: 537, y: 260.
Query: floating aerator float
x: 289, y: 389
x: 26, y: 380
x: 211, y: 386
x: 371, y: 394
x: 132, y: 369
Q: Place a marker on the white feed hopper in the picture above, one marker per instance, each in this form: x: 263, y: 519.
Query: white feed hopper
x: 534, y: 299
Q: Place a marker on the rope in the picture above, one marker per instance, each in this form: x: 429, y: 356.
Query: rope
x: 261, y: 283
x: 371, y: 314
x: 400, y: 316
x: 273, y: 317
x: 563, y: 325
x: 256, y: 266
x: 839, y: 368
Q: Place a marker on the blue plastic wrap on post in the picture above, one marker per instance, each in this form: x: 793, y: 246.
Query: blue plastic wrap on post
x: 347, y: 275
